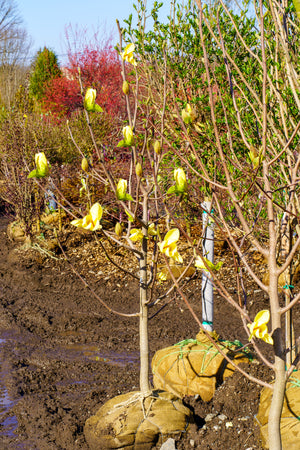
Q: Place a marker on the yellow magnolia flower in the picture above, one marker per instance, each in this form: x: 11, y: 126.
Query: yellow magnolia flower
x: 41, y: 164
x: 258, y: 327
x: 89, y: 101
x: 180, y: 180
x: 127, y: 55
x: 136, y: 235
x: 92, y: 220
x: 168, y: 245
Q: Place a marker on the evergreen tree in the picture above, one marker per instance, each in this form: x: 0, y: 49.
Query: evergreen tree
x: 45, y: 68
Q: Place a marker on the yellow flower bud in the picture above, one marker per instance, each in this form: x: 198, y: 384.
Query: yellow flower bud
x: 128, y: 135
x: 157, y: 147
x: 84, y: 165
x: 180, y: 180
x: 42, y: 169
x: 118, y: 229
x: 121, y: 190
x: 125, y: 88
x: 90, y: 99
x: 139, y: 170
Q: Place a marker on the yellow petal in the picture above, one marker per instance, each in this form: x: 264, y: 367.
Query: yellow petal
x: 177, y: 257
x: 129, y: 49
x: 262, y: 317
x: 172, y: 236
x: 136, y: 235
x: 77, y: 222
x: 127, y: 55
x: 96, y: 212
x: 258, y: 327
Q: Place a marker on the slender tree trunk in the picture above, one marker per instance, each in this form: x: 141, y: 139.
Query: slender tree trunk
x: 144, y: 341
x: 207, y: 284
x: 280, y: 381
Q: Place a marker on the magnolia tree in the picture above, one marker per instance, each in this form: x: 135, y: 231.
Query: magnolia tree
x: 139, y: 230
x: 232, y: 120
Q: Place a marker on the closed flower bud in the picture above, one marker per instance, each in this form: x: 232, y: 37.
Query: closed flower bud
x: 180, y: 180
x: 90, y: 101
x: 118, y: 229
x: 157, y: 147
x: 125, y: 88
x: 139, y: 170
x: 122, y: 190
x: 128, y: 135
x: 84, y: 165
x: 42, y: 168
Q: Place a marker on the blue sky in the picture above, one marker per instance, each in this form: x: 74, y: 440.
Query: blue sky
x: 45, y: 21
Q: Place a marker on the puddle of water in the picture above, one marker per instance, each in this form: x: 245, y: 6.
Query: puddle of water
x: 94, y: 353
x: 9, y: 425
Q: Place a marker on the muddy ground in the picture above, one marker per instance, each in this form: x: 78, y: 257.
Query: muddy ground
x: 63, y: 354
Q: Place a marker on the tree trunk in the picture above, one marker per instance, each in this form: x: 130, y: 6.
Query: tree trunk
x: 144, y: 341
x: 280, y: 381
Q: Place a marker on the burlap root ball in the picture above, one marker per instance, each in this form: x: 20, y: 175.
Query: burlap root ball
x: 290, y: 416
x: 136, y: 421
x: 195, y: 366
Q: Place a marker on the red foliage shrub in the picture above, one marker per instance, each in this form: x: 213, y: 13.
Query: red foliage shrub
x: 100, y: 69
x: 62, y: 96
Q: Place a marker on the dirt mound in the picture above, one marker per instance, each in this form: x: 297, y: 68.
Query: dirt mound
x: 63, y: 354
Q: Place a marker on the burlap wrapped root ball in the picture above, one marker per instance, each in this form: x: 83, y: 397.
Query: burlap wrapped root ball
x: 16, y: 231
x: 195, y: 366
x: 137, y: 421
x: 290, y: 416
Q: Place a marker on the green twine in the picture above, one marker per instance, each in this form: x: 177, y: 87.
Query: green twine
x: 295, y: 382
x: 288, y: 286
x: 207, y: 323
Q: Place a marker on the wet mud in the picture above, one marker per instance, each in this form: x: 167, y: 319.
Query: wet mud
x: 62, y: 354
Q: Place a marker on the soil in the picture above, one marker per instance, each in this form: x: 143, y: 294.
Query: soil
x: 63, y: 354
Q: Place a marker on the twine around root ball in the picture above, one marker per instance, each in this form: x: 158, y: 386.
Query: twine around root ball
x: 137, y: 420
